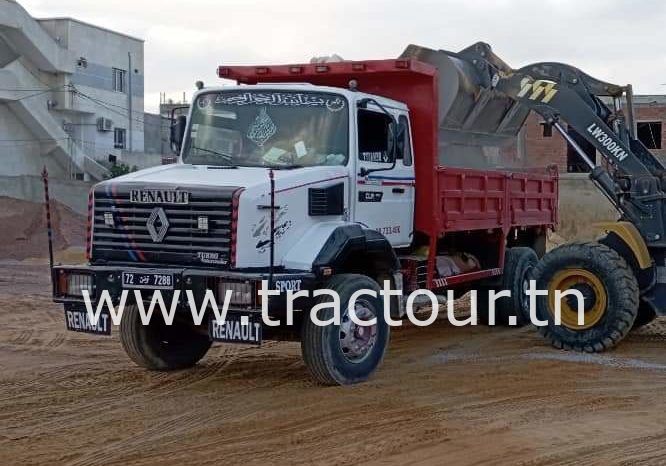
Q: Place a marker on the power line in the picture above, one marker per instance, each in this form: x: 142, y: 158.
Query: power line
x: 7, y: 89
x: 43, y: 91
x: 27, y: 143
x: 108, y: 106
x: 32, y: 140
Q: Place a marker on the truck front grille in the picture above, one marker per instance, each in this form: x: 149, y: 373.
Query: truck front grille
x: 198, y: 232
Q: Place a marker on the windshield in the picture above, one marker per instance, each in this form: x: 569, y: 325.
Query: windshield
x: 279, y: 129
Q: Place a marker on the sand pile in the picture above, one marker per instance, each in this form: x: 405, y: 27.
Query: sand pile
x: 23, y: 228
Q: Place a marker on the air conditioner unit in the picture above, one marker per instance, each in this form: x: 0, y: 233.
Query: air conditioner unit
x: 104, y: 124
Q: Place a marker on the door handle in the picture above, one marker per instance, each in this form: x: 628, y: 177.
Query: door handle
x: 398, y: 190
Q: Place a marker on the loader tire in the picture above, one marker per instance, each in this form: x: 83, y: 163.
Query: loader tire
x: 608, y: 285
x: 518, y: 265
x: 345, y: 354
x: 644, y: 316
x: 161, y: 347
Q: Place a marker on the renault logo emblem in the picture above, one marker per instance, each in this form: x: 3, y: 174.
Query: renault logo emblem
x: 157, y: 224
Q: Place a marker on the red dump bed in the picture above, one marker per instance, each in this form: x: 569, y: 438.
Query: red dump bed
x: 447, y: 199
x: 482, y: 199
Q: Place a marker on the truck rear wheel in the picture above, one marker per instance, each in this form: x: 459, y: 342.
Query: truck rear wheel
x: 347, y: 353
x: 606, y: 282
x: 518, y: 265
x: 162, y: 347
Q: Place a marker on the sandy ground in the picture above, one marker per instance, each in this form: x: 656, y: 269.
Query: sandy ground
x: 23, y: 228
x: 443, y: 395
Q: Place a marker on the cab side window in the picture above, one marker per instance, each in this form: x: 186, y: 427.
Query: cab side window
x: 373, y: 130
x: 404, y: 141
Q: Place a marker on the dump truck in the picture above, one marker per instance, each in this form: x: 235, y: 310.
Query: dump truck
x: 337, y: 176
x: 621, y: 278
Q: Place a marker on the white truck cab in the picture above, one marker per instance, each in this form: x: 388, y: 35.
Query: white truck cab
x: 329, y: 151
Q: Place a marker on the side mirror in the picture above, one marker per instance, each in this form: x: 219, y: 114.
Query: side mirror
x: 178, y: 132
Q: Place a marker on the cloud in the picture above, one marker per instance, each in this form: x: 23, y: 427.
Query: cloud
x: 614, y: 40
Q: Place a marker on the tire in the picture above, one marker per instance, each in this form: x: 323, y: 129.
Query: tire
x: 644, y: 316
x: 326, y: 350
x: 609, y: 286
x: 158, y: 346
x: 518, y: 265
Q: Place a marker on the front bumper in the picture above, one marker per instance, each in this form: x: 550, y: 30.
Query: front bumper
x: 199, y: 281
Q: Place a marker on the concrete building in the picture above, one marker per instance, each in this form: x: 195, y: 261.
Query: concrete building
x: 543, y: 148
x: 66, y: 90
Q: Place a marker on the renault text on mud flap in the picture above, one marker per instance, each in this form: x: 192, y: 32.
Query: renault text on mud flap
x: 163, y: 196
x: 236, y: 329
x: 612, y: 146
x: 78, y: 320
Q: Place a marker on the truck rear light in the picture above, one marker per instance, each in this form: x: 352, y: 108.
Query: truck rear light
x: 242, y: 293
x: 89, y: 224
x: 74, y: 283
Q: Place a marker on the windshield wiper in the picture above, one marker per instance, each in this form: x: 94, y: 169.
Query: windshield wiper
x: 285, y: 167
x: 210, y: 151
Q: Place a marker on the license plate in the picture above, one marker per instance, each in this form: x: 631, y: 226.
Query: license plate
x: 151, y: 281
x: 236, y: 328
x: 77, y: 320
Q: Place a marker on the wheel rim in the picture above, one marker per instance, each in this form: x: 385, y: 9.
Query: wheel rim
x: 594, y: 293
x: 357, y: 341
x: 524, y: 298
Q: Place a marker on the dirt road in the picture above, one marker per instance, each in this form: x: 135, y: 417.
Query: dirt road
x: 443, y: 395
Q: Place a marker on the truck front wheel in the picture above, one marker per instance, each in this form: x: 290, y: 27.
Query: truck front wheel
x: 347, y: 353
x: 162, y: 347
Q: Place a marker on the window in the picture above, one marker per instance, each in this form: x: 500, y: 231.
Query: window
x: 546, y: 130
x: 119, y: 78
x: 405, y: 149
x: 119, y: 138
x: 649, y: 133
x: 268, y: 129
x: 373, y: 140
x: 575, y: 164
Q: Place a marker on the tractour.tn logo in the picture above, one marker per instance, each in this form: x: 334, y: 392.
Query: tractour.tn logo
x: 198, y: 310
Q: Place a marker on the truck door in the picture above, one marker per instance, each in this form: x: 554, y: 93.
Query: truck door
x: 384, y: 200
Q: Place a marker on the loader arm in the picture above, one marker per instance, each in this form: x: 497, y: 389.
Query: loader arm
x: 633, y: 179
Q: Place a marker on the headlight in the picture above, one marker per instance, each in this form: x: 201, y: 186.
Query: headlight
x: 241, y: 293
x: 73, y: 284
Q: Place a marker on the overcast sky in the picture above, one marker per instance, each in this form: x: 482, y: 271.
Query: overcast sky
x: 620, y: 41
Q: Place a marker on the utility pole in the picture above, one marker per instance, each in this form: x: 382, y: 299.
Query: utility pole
x: 129, y: 98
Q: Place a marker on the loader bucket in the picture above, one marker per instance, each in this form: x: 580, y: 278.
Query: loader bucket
x: 478, y: 126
